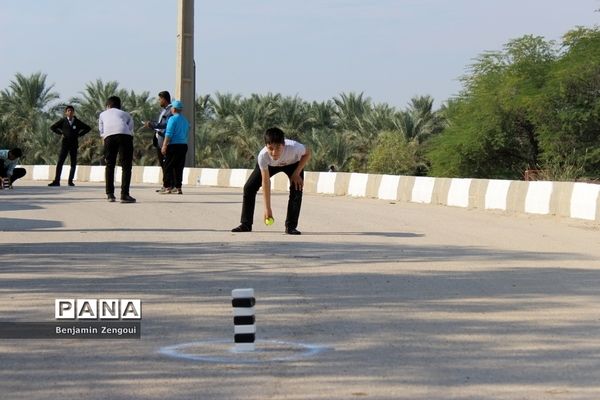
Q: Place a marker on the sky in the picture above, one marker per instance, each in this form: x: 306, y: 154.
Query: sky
x: 390, y: 50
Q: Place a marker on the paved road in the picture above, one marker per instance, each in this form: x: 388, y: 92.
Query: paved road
x: 406, y: 301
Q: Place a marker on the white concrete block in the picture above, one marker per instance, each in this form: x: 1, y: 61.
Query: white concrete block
x: 151, y: 175
x: 97, y: 173
x: 64, y: 174
x: 41, y: 173
x: 584, y: 200
x: 238, y: 177
x: 326, y: 182
x: 185, y: 179
x: 209, y: 176
x: 496, y: 194
x: 538, y: 196
x: 388, y: 187
x: 118, y: 173
x: 458, y: 194
x: 423, y: 189
x: 358, y: 184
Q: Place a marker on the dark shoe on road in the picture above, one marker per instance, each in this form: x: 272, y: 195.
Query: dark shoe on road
x: 127, y: 199
x: 71, y: 184
x: 292, y: 231
x: 242, y: 228
x: 111, y: 198
x: 53, y: 183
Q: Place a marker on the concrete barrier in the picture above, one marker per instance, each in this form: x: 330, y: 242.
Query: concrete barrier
x: 567, y: 199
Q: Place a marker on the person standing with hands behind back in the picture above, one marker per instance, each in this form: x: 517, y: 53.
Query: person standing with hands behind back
x: 116, y: 129
x: 70, y: 128
x: 175, y: 148
x: 278, y: 155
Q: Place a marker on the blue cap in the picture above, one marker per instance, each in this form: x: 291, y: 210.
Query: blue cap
x: 177, y: 104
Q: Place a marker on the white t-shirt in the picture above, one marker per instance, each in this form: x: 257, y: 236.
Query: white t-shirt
x: 114, y: 122
x: 292, y: 152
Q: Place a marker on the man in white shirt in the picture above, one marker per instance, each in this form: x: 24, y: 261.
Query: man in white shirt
x: 278, y: 155
x: 116, y: 129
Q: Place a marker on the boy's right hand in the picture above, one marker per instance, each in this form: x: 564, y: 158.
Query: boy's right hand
x: 268, y: 214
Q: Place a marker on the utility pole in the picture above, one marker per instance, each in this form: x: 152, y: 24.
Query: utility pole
x: 185, y: 76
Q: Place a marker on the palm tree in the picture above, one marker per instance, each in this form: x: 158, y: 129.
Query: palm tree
x: 40, y: 143
x: 93, y: 98
x: 293, y: 116
x: 26, y: 101
x: 419, y: 122
x: 329, y: 147
x: 351, y: 112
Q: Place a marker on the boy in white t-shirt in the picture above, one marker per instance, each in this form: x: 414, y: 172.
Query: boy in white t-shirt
x: 278, y: 155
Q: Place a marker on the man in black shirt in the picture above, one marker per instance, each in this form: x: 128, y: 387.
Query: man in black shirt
x: 70, y: 128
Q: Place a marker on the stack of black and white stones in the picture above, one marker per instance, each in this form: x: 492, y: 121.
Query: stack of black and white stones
x: 244, y: 333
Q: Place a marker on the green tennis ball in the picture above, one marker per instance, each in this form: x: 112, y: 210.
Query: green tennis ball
x: 269, y: 221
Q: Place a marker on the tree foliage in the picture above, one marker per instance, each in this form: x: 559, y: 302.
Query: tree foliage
x: 533, y: 105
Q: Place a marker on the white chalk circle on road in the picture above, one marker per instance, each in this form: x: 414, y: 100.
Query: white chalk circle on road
x: 222, y: 351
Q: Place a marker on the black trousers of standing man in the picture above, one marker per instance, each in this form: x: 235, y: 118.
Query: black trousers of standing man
x: 68, y: 147
x: 174, y: 165
x: 121, y: 145
x: 254, y: 183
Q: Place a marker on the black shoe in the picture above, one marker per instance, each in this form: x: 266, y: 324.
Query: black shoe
x: 111, y: 198
x: 71, y: 184
x: 127, y: 199
x: 242, y: 228
x: 54, y: 183
x: 292, y: 231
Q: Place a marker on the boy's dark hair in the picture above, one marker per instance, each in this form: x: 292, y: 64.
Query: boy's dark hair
x: 274, y: 136
x: 17, y: 152
x: 113, y: 102
x: 70, y: 107
x: 165, y: 95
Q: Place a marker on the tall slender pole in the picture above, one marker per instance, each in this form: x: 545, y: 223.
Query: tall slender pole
x: 185, y: 77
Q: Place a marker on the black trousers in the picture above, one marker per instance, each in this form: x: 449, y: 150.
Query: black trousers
x: 68, y: 147
x: 16, y: 174
x: 121, y: 145
x: 254, y: 183
x: 161, y: 161
x: 174, y: 164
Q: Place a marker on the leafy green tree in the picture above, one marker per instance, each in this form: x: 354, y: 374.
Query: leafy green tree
x: 393, y: 155
x: 491, y: 131
x: 568, y: 115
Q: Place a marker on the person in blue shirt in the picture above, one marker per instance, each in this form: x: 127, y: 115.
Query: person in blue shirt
x: 175, y: 147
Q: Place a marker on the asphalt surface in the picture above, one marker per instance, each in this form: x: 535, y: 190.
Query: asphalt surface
x: 376, y: 299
